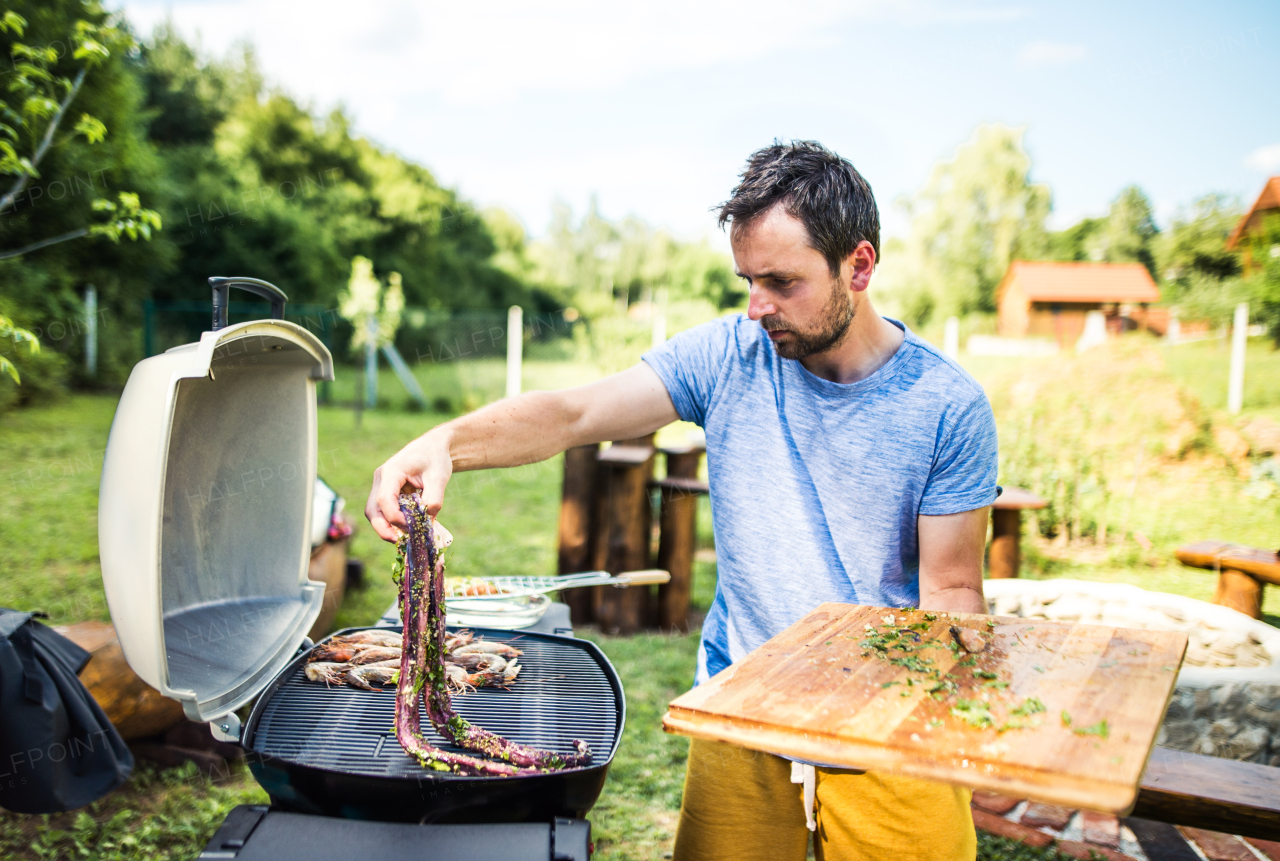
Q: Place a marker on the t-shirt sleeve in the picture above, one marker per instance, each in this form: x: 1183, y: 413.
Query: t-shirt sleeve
x: 689, y: 365
x: 964, y: 474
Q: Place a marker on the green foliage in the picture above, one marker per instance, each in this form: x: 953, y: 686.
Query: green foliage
x: 977, y: 212
x: 244, y: 180
x: 1200, y: 276
x: 1127, y: 235
x: 993, y: 848
x: 158, y: 814
x: 598, y: 266
x: 1262, y: 285
x: 10, y: 332
x: 42, y: 90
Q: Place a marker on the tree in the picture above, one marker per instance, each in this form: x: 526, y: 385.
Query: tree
x: 1262, y: 283
x: 1131, y: 230
x: 977, y: 212
x: 1127, y: 234
x: 41, y: 98
x: 599, y: 267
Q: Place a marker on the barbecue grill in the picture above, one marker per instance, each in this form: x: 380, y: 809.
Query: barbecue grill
x: 204, y: 535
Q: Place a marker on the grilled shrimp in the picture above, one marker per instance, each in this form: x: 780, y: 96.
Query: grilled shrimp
x: 335, y: 652
x: 458, y: 679
x: 486, y: 647
x: 329, y: 672
x: 376, y: 638
x: 510, y: 672
x: 479, y: 663
x: 361, y: 677
x: 376, y: 654
x: 454, y: 641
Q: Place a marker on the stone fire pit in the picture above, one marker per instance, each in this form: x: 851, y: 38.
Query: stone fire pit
x: 1227, y: 700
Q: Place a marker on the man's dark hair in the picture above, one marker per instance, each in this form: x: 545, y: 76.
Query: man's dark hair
x: 815, y: 185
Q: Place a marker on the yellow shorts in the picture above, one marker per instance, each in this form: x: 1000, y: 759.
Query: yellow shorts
x: 740, y: 805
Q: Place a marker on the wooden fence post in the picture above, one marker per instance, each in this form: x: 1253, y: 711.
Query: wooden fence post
x: 576, y: 511
x: 621, y: 534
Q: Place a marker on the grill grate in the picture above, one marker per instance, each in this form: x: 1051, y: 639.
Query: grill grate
x: 562, y: 694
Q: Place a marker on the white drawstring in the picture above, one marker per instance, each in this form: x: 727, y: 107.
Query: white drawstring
x: 807, y: 775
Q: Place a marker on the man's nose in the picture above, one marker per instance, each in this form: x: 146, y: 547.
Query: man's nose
x: 759, y: 305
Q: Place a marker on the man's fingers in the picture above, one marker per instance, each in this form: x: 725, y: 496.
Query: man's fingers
x: 434, y: 482
x: 373, y: 511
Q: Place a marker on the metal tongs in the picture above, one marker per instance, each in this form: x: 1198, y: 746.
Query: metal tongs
x: 499, y: 588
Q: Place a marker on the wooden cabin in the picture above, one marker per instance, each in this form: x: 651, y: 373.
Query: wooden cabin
x: 1044, y: 299
x: 1268, y: 203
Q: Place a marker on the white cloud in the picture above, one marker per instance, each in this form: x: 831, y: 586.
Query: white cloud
x: 1035, y: 54
x: 469, y: 53
x: 1265, y: 158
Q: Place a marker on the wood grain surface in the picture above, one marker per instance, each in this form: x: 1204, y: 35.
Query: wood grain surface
x: 823, y: 691
x: 1209, y: 792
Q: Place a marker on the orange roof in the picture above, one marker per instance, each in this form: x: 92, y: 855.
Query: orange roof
x: 1045, y: 281
x: 1268, y: 200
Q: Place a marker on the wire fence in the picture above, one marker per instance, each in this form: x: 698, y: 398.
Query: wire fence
x: 458, y: 358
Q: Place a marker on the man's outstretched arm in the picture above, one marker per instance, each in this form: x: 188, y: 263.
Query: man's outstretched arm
x: 516, y: 431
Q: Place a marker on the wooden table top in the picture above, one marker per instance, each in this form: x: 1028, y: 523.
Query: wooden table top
x: 1215, y: 555
x: 1053, y: 711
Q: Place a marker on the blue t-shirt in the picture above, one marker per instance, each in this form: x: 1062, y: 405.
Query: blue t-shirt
x: 815, y: 485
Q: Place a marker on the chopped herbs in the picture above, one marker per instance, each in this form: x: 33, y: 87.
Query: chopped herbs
x: 1099, y: 729
x: 1030, y: 706
x: 1066, y: 718
x: 973, y: 712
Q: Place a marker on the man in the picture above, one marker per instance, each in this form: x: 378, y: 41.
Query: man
x: 848, y: 460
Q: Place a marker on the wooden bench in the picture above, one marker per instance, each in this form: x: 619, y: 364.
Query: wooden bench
x: 1242, y: 572
x: 1005, y: 557
x: 1211, y: 793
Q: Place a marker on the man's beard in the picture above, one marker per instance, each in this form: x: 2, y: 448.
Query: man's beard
x: 834, y: 323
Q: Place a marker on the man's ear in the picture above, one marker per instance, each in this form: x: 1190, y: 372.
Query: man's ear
x: 860, y: 263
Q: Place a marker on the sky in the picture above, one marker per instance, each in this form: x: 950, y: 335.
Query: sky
x: 653, y: 107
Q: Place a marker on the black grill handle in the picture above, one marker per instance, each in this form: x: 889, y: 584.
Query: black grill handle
x: 222, y: 287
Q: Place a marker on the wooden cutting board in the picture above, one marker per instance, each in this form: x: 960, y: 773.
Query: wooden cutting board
x: 831, y: 689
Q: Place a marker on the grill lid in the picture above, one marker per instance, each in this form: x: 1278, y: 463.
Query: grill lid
x: 205, y: 505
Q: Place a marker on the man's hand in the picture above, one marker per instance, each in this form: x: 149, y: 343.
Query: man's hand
x: 951, y: 561
x: 424, y: 464
x: 516, y: 431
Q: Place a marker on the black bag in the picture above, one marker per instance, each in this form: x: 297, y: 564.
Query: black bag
x: 58, y: 751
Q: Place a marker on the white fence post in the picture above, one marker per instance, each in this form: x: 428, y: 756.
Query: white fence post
x: 91, y: 331
x: 515, y: 349
x: 371, y: 362
x: 951, y: 338
x: 660, y: 319
x: 1239, y: 336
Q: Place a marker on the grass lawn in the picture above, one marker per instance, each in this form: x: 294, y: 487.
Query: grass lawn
x: 505, y: 523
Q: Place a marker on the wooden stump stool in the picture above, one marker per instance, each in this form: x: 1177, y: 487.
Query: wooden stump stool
x: 1242, y: 572
x: 1005, y: 556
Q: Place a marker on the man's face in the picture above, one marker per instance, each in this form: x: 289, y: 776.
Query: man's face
x: 793, y: 295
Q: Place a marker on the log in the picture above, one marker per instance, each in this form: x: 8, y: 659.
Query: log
x: 576, y: 510
x: 621, y: 540
x: 1240, y: 592
x: 134, y: 708
x: 1005, y: 556
x: 678, y: 534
